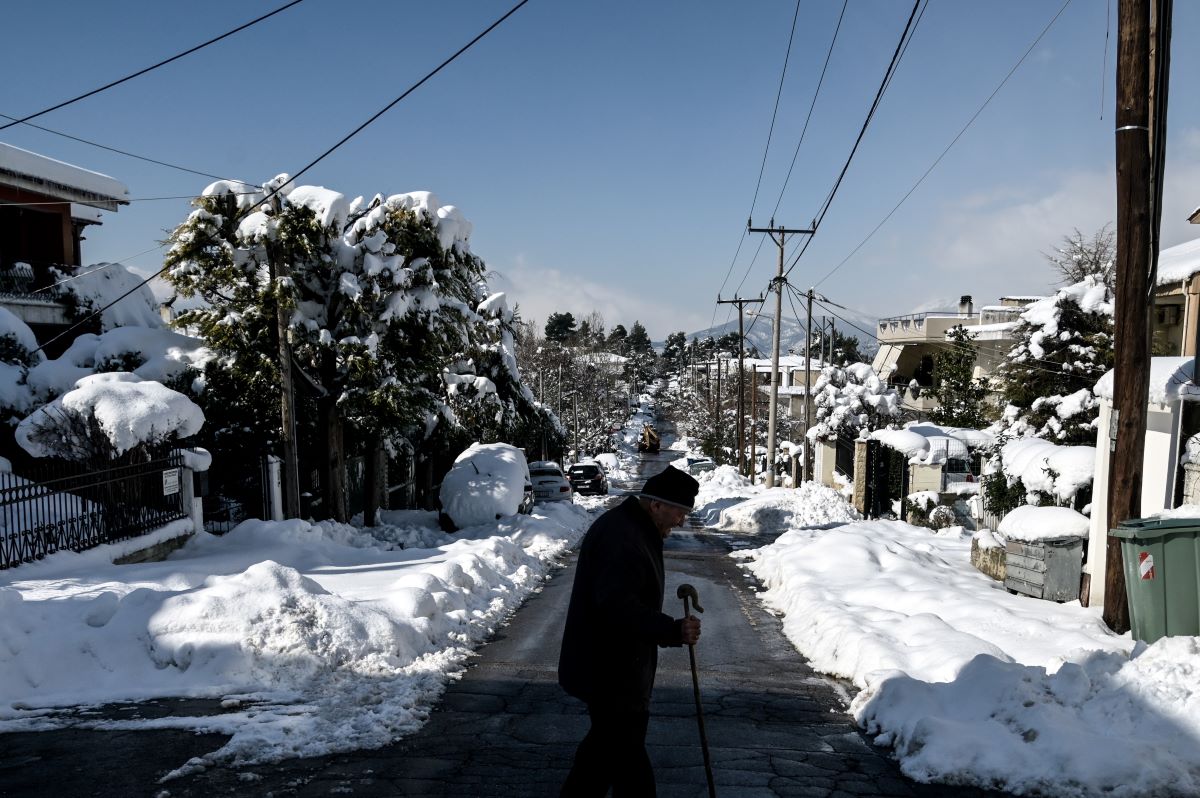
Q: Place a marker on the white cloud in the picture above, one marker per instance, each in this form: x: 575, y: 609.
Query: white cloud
x: 541, y: 291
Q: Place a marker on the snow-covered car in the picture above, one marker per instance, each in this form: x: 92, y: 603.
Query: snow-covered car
x: 587, y: 476
x: 549, y: 484
x: 487, y: 481
x: 698, y: 465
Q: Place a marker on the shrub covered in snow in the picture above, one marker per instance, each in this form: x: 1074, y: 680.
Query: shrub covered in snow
x: 851, y: 399
x: 107, y: 417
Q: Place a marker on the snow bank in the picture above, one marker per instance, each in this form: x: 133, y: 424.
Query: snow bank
x: 317, y: 637
x: 972, y: 685
x: 777, y: 509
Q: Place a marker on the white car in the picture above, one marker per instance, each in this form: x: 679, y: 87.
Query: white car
x: 549, y: 483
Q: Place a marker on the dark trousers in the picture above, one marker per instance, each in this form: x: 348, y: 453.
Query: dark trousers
x: 613, y: 754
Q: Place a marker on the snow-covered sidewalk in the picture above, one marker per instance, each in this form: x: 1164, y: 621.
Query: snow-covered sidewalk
x: 317, y: 637
x: 969, y: 684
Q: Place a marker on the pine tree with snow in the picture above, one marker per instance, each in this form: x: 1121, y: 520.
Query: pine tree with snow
x: 382, y: 300
x: 1064, y: 343
x: 850, y: 399
x: 960, y: 396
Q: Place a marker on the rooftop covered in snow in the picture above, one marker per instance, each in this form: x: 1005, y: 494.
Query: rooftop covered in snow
x: 29, y: 171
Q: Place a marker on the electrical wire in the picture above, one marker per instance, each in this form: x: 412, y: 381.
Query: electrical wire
x: 761, y: 170
x: 812, y: 105
x: 901, y: 48
x: 775, y: 113
x: 151, y: 68
x: 389, y: 106
x: 131, y: 200
x: 439, y: 68
x: 126, y: 153
x: 949, y: 146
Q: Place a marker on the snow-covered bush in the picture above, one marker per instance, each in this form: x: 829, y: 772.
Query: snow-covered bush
x: 849, y: 399
x: 110, y: 417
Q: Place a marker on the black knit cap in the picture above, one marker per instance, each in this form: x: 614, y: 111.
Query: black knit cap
x: 672, y: 486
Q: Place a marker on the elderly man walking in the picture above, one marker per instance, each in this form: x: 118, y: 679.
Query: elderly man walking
x: 615, y: 624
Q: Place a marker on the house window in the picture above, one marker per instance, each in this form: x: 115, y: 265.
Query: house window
x: 1166, y: 315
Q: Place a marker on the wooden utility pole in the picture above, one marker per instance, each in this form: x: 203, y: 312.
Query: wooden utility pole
x: 717, y: 436
x: 280, y: 273
x: 741, y: 402
x: 1136, y: 214
x: 779, y: 236
x: 806, y: 475
x: 753, y: 421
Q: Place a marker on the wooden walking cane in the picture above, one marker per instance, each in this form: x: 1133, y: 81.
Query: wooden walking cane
x: 685, y: 592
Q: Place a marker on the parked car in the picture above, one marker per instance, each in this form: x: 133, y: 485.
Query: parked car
x: 698, y: 465
x: 487, y: 481
x: 549, y: 484
x: 587, y: 476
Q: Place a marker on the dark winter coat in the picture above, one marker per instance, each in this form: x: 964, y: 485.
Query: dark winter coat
x: 615, y: 621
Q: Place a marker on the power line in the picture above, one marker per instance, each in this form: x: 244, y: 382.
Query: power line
x: 123, y: 152
x: 462, y: 50
x: 812, y: 105
x: 778, y: 93
x: 389, y: 106
x: 151, y: 68
x: 133, y: 199
x: 901, y: 47
x: 953, y: 141
x: 761, y: 169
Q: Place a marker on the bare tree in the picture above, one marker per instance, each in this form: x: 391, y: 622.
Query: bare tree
x: 1078, y: 257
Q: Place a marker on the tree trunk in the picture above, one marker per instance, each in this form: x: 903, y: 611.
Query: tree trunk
x: 333, y: 461
x: 374, y: 481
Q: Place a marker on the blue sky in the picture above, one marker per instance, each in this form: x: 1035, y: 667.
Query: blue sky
x: 607, y: 153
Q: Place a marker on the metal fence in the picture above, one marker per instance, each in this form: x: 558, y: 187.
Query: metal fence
x: 57, y: 506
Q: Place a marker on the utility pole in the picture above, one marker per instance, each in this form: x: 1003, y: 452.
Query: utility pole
x: 575, y: 405
x: 279, y: 272
x: 717, y: 415
x: 741, y: 402
x: 753, y: 420
x: 1136, y: 220
x: 779, y: 236
x: 805, y: 476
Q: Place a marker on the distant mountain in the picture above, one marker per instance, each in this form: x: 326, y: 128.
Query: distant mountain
x: 758, y: 331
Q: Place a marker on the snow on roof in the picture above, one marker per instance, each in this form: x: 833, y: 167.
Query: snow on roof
x: 1023, y: 297
x: 1170, y: 381
x: 1179, y: 262
x: 59, y: 179
x: 991, y: 330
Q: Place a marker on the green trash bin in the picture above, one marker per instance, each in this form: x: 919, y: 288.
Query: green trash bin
x: 1162, y: 575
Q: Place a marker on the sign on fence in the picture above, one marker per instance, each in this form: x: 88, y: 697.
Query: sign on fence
x: 170, y: 481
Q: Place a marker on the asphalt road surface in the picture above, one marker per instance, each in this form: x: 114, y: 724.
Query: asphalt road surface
x: 775, y: 728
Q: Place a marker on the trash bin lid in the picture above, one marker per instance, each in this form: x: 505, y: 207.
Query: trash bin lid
x: 1142, y: 528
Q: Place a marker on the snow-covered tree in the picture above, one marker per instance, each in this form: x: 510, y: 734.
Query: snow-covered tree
x: 849, y: 399
x: 1077, y: 257
x: 1064, y: 343
x: 381, y: 300
x: 960, y: 396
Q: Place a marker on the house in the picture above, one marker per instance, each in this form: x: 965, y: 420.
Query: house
x: 45, y: 206
x: 908, y: 344
x: 1176, y: 318
x: 1172, y: 419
